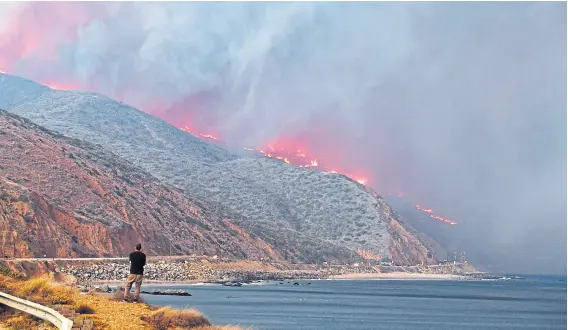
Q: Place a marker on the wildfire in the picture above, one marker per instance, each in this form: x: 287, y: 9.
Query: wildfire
x: 433, y: 216
x: 201, y: 135
x: 61, y: 86
x: 297, y: 157
x: 53, y: 87
x: 209, y: 136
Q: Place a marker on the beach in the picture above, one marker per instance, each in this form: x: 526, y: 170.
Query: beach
x: 397, y: 276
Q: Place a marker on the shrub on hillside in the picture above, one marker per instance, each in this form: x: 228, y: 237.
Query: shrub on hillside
x: 7, y: 271
x: 44, y: 291
x: 84, y: 309
x: 168, y: 318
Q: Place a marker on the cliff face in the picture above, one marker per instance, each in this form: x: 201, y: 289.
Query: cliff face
x: 64, y: 197
x: 406, y: 245
x: 32, y: 226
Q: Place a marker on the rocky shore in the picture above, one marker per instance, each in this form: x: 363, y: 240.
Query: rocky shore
x: 201, y: 271
x: 232, y: 272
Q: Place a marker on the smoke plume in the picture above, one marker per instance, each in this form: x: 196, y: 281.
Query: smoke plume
x: 460, y: 106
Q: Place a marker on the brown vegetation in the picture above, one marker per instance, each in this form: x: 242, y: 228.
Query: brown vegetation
x: 41, y: 290
x: 20, y: 321
x: 168, y: 318
x: 105, y: 312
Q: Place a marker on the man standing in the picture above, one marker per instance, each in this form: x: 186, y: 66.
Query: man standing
x: 137, y: 263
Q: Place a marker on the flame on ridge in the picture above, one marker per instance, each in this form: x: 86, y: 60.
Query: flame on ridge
x: 433, y: 216
x: 207, y: 136
x: 297, y: 158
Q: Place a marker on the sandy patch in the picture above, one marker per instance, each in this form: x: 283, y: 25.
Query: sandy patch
x: 397, y: 276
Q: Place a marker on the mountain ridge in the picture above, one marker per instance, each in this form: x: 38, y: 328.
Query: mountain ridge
x: 303, y: 202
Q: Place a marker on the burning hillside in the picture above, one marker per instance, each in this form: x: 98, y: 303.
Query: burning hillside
x: 433, y: 216
x: 285, y: 150
x: 298, y: 157
x: 295, y: 157
x: 204, y: 136
x: 61, y: 87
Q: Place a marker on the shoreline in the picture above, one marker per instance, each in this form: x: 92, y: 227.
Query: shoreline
x: 349, y: 276
x: 398, y: 276
x: 207, y: 271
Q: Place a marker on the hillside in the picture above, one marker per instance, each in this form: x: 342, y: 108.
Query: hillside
x: 298, y: 211
x: 64, y: 197
x: 444, y: 238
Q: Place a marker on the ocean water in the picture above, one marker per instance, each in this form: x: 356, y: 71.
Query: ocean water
x: 530, y: 303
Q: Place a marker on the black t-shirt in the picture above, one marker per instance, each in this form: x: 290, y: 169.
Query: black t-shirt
x: 137, y: 262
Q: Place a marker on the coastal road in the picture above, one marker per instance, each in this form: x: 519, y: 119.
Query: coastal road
x: 62, y: 259
x: 104, y: 258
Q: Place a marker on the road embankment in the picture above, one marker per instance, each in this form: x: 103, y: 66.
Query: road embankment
x: 85, y: 272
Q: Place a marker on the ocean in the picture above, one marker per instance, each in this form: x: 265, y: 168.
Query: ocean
x: 529, y: 303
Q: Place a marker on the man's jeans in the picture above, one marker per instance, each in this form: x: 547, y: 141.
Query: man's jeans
x: 133, y: 278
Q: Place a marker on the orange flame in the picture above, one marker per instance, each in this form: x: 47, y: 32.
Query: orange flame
x: 60, y: 87
x: 299, y: 159
x: 209, y: 136
x: 433, y: 216
x: 201, y: 135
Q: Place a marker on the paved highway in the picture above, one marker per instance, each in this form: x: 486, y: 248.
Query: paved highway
x: 62, y: 259
x: 104, y: 258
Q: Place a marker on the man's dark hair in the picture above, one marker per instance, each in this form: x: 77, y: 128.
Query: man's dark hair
x: 138, y: 247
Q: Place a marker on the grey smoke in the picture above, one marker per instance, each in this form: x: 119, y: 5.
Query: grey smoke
x: 461, y: 106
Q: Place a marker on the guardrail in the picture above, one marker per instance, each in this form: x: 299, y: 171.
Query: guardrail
x: 37, y: 310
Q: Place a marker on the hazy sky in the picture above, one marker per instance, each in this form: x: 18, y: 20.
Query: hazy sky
x: 460, y: 106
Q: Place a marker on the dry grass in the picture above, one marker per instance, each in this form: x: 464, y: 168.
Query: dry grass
x: 20, y: 321
x: 103, y: 310
x: 44, y: 291
x: 118, y: 295
x: 41, y: 290
x: 168, y: 318
x: 110, y: 314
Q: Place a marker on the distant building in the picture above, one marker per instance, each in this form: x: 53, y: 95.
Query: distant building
x: 455, y: 257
